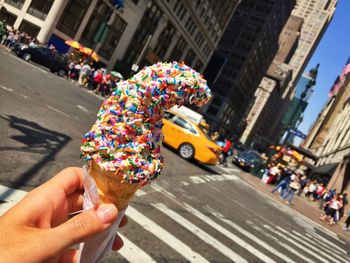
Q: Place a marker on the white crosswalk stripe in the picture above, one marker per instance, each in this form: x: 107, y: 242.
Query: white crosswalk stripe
x: 133, y: 253
x: 261, y: 239
x: 330, y: 251
x: 165, y: 236
x: 200, y: 233
x: 296, y: 243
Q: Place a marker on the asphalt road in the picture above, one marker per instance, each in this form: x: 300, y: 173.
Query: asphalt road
x: 191, y: 214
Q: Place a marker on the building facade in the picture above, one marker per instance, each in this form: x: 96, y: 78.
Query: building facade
x: 245, y: 51
x: 269, y: 100
x: 144, y: 32
x: 316, y: 16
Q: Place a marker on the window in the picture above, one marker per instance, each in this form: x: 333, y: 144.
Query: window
x: 164, y: 40
x: 185, y: 125
x: 97, y: 25
x: 115, y: 32
x: 7, y: 17
x: 39, y: 8
x: 147, y: 26
x: 190, y: 57
x: 72, y: 16
x: 29, y: 28
x: 15, y: 3
x: 178, y: 49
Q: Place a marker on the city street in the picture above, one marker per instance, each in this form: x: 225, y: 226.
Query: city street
x: 193, y: 213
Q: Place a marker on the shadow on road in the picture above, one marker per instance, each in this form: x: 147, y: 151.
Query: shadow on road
x: 36, y: 139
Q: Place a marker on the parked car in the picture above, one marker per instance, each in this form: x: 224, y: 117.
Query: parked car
x: 188, y: 139
x: 247, y: 160
x: 44, y: 56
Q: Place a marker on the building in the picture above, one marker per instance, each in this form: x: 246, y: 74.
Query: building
x: 329, y: 137
x: 268, y: 98
x: 294, y: 114
x: 316, y: 16
x: 144, y: 32
x: 245, y: 52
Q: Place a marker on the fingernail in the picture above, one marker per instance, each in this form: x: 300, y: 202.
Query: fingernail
x: 106, y: 213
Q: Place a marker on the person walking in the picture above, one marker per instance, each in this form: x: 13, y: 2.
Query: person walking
x: 283, y: 184
x: 225, y: 150
x: 293, y: 187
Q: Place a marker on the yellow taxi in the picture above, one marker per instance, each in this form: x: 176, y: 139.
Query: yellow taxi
x: 184, y: 135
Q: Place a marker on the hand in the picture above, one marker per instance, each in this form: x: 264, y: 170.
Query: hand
x: 38, y: 228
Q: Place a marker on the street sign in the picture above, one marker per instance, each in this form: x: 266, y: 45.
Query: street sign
x: 297, y: 133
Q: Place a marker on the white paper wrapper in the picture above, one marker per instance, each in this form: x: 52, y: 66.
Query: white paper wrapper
x: 96, y: 248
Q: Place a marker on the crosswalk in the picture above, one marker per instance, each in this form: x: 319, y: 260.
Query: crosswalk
x: 217, y: 218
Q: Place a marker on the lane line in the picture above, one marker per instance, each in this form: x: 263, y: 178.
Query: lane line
x: 133, y: 253
x: 327, y: 241
x: 83, y: 108
x: 285, y: 246
x: 292, y: 241
x: 200, y: 233
x: 58, y: 111
x: 6, y: 88
x: 165, y: 236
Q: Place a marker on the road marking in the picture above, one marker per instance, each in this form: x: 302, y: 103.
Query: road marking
x: 252, y: 237
x: 325, y: 248
x: 140, y: 193
x: 83, y: 108
x: 23, y: 96
x: 196, y: 179
x: 305, y: 243
x: 6, y: 88
x: 287, y: 247
x: 133, y: 253
x: 160, y: 189
x: 199, y: 233
x: 324, y: 240
x: 58, y: 111
x: 233, y: 237
x: 165, y: 236
x: 292, y: 241
x: 10, y: 196
x: 185, y: 183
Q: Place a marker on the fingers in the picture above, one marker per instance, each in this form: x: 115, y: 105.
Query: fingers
x: 118, y: 243
x: 69, y: 179
x: 75, y: 201
x: 124, y: 221
x: 82, y: 226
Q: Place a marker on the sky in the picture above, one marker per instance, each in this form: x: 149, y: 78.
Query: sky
x: 332, y: 53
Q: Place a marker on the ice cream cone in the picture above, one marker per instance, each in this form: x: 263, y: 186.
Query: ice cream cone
x: 112, y: 188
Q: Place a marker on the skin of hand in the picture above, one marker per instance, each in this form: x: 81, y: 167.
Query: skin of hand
x: 39, y: 228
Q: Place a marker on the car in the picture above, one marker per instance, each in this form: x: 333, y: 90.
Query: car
x: 44, y: 56
x: 185, y: 136
x: 247, y: 160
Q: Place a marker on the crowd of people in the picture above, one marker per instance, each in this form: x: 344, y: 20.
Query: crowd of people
x: 98, y: 80
x: 289, y: 183
x: 81, y: 70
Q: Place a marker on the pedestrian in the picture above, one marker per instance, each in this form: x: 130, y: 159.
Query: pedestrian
x: 331, y: 207
x: 293, y: 187
x: 304, y: 180
x: 311, y: 190
x: 98, y: 76
x: 225, y: 150
x: 283, y: 184
x: 347, y: 222
x: 273, y: 173
x: 40, y: 227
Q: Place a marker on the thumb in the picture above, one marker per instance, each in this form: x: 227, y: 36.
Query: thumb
x: 81, y: 227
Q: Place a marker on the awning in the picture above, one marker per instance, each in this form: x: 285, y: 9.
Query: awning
x: 326, y: 169
x: 303, y: 151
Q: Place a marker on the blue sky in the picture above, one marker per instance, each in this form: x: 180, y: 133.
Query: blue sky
x: 332, y: 54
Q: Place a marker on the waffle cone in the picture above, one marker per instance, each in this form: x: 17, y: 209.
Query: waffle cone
x: 112, y: 188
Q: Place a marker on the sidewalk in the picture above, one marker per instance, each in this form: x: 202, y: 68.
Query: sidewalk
x: 300, y: 204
